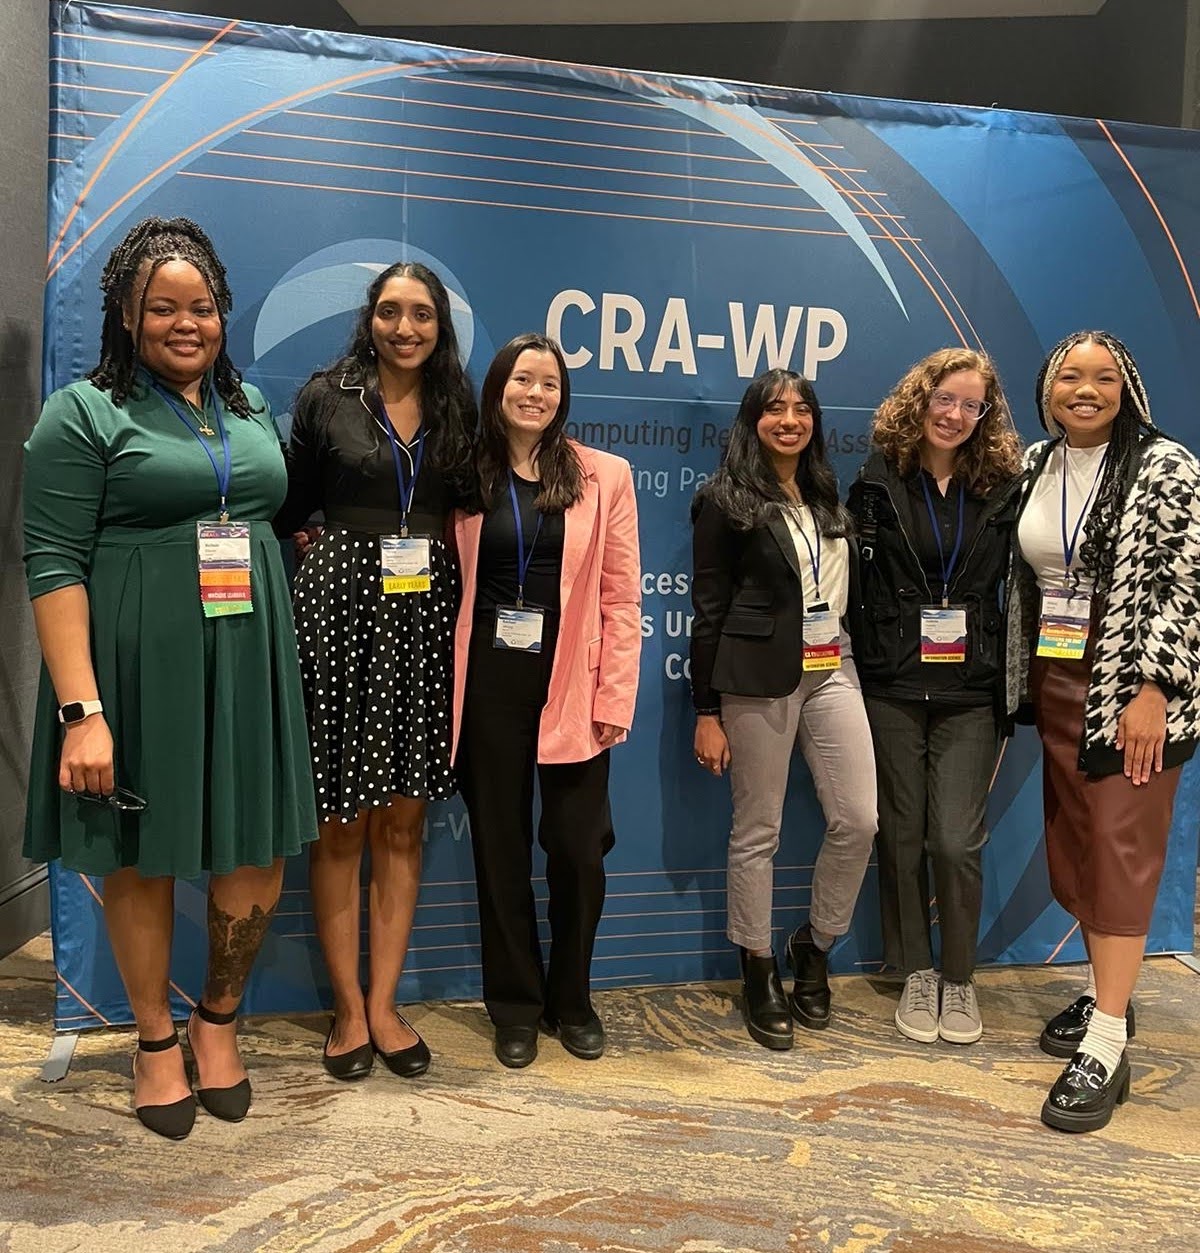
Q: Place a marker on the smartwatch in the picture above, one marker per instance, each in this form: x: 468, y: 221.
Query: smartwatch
x: 76, y: 710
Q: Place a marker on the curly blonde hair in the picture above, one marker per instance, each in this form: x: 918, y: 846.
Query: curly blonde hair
x: 992, y: 453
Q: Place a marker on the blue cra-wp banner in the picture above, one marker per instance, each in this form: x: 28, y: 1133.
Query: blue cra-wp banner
x: 678, y: 236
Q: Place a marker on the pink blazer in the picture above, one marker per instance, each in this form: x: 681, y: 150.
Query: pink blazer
x: 594, y: 677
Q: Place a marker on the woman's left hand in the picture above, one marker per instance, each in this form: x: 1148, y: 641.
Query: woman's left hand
x: 1141, y: 733
x: 607, y: 734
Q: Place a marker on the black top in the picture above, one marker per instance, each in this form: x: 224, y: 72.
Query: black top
x: 945, y: 509
x: 898, y: 571
x: 496, y: 573
x: 340, y: 461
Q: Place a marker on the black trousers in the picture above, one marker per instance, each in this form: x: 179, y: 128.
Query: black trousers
x: 497, y: 762
x: 934, y: 765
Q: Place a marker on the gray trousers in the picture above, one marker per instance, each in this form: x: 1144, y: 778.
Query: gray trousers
x: 825, y: 713
x: 935, y: 767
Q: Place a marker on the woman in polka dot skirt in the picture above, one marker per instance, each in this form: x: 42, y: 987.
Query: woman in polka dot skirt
x: 381, y: 442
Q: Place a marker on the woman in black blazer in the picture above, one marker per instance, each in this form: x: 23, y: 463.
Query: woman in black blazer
x: 771, y: 666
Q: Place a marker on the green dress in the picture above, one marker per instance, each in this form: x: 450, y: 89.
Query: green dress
x: 206, y: 714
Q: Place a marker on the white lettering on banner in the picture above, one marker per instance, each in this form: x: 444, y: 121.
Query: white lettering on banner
x: 677, y: 666
x: 761, y: 344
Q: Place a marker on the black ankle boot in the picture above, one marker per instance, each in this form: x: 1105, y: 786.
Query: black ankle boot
x: 810, y: 992
x: 767, y: 1017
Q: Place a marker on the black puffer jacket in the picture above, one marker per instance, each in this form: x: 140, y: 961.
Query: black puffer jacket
x: 888, y: 587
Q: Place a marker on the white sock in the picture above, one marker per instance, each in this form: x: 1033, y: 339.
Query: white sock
x: 1090, y: 990
x: 1104, y: 1039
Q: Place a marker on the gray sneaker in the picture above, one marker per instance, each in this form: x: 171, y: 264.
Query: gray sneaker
x: 917, y: 1013
x: 960, y: 1022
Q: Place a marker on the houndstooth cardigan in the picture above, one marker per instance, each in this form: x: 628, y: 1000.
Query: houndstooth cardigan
x: 1150, y: 625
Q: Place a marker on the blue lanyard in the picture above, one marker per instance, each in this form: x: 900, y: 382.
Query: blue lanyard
x: 814, y: 559
x: 947, y: 567
x: 523, y: 558
x: 224, y: 471
x: 406, y: 486
x: 1069, y: 547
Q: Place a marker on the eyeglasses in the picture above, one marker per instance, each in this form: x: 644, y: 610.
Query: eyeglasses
x: 946, y: 402
x: 119, y: 798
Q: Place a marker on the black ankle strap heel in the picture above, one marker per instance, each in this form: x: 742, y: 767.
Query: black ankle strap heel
x: 173, y: 1121
x: 228, y: 1104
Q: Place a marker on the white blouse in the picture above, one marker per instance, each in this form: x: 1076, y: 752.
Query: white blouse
x: 835, y: 561
x: 1040, y: 532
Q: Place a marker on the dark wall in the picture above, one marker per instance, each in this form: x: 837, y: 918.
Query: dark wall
x: 23, y: 54
x: 1126, y: 63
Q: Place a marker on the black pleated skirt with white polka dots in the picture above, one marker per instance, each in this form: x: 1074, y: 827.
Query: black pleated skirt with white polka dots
x: 377, y: 673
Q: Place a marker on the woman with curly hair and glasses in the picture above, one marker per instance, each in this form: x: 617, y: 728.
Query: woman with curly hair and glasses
x: 1109, y: 649
x: 935, y: 506
x: 381, y: 441
x: 771, y: 669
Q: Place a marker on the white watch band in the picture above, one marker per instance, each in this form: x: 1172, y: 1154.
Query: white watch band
x: 76, y: 710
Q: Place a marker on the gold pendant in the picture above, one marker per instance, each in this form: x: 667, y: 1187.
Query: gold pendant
x: 205, y: 429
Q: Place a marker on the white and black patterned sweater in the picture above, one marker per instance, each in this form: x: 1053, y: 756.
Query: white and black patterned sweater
x: 1150, y: 627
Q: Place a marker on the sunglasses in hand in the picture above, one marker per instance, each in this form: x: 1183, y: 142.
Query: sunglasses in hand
x: 119, y: 798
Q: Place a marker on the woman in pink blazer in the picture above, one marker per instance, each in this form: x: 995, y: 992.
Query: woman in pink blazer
x: 546, y: 670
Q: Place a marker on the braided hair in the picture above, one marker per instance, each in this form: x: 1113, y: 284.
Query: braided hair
x: 1132, y: 428
x: 149, y: 245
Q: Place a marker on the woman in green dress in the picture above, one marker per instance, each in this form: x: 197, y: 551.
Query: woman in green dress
x: 170, y: 737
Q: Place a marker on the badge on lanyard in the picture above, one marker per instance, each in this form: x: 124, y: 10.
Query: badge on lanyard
x: 222, y: 547
x: 404, y: 560
x: 1067, y: 611
x: 944, y: 626
x: 822, y: 629
x: 223, y: 550
x: 519, y: 627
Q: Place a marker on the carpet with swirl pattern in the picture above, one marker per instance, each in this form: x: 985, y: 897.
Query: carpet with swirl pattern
x: 685, y: 1136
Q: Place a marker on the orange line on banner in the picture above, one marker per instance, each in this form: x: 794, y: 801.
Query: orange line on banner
x: 115, y: 91
x: 127, y: 43
x: 80, y: 999
x: 1162, y: 221
x: 83, y: 113
x: 999, y: 762
x: 126, y: 16
x: 143, y: 109
x: 1061, y: 943
x: 502, y: 204
x: 108, y: 65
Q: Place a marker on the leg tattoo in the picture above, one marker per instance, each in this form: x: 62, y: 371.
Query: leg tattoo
x: 233, y: 944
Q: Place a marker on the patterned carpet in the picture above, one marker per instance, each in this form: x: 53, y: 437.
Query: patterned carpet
x: 686, y: 1136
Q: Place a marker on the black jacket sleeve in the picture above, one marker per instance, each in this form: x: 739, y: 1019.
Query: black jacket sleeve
x: 714, y: 555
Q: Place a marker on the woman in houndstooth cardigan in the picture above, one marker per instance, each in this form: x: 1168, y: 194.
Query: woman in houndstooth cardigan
x: 1104, y: 640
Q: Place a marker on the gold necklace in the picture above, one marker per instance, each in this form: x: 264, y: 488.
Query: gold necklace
x: 201, y: 417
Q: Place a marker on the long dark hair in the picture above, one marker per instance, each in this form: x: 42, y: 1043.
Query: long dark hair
x: 447, y: 404
x: 1132, y: 427
x: 746, y: 488
x: 150, y: 244
x: 558, y: 466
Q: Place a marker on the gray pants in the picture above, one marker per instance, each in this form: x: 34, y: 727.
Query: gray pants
x: 826, y: 714
x: 935, y: 766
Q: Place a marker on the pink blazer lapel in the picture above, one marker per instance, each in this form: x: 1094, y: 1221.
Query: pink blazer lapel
x: 578, y: 524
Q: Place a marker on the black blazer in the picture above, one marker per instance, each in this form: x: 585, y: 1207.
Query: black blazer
x: 748, y: 604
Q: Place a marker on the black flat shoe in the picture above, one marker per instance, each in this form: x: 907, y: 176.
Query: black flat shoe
x: 410, y: 1062
x: 584, y: 1040
x: 809, y: 999
x: 1062, y: 1034
x: 228, y: 1104
x: 1085, y: 1095
x: 768, y: 1019
x: 176, y: 1120
x: 348, y: 1067
x: 516, y: 1046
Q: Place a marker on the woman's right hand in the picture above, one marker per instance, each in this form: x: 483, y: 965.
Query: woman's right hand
x: 304, y: 539
x: 86, y: 764
x: 712, y: 748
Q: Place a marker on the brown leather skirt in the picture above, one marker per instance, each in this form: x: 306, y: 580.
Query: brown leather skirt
x: 1106, y: 840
